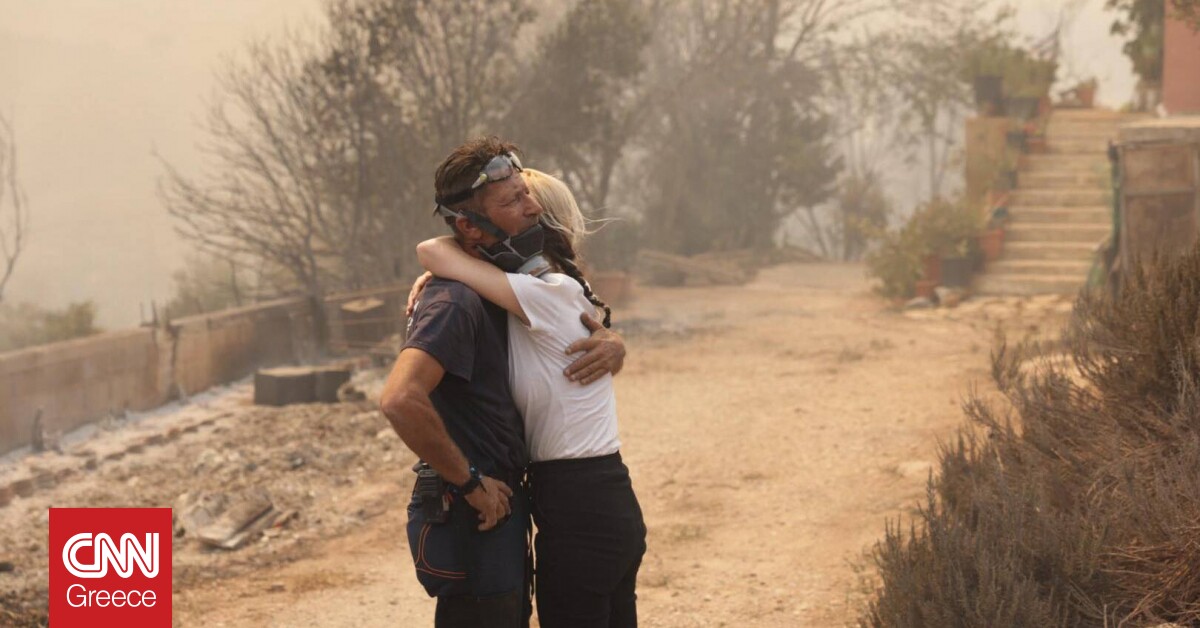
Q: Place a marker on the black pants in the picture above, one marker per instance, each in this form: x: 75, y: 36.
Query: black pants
x: 479, y: 578
x: 589, y: 544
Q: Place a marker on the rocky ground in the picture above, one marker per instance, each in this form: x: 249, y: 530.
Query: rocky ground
x: 772, y: 430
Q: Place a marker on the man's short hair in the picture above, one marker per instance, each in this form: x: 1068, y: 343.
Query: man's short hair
x: 462, y: 166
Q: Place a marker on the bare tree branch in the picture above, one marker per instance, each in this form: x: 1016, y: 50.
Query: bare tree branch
x: 14, y: 206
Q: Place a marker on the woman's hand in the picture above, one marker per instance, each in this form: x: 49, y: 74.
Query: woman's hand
x: 414, y: 295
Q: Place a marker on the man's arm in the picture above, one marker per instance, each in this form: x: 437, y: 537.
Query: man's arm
x: 406, y: 404
x: 605, y: 353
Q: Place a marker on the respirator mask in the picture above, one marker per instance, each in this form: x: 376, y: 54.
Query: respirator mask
x: 520, y: 253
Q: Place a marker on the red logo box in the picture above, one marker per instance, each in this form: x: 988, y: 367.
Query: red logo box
x: 110, y: 567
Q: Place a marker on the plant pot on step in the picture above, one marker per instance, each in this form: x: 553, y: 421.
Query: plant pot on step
x: 927, y: 289
x: 991, y: 243
x: 989, y: 94
x: 931, y: 268
x: 1021, y: 107
x: 1015, y: 140
x: 1087, y: 95
x: 1035, y: 144
x: 956, y: 271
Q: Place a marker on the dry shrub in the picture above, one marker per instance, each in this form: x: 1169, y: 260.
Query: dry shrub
x: 1079, y: 504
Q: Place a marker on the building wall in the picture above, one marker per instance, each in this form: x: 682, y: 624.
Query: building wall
x: 1181, y: 68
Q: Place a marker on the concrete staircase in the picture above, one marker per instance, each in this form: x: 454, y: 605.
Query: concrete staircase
x: 1060, y: 210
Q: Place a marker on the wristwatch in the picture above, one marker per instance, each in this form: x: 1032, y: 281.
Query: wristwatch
x: 475, y: 481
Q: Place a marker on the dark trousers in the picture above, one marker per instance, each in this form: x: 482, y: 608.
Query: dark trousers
x: 479, y: 578
x: 589, y: 544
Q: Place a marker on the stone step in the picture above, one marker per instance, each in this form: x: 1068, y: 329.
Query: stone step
x: 1087, y: 214
x: 1063, y: 180
x: 1077, y: 132
x: 1067, y: 163
x: 1055, y: 232
x: 1077, y: 251
x: 1004, y: 266
x: 1077, y: 147
x: 1089, y: 115
x: 1083, y: 126
x: 1027, y: 284
x: 1078, y: 197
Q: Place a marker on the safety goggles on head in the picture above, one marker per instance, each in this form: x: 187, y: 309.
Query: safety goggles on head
x: 500, y: 167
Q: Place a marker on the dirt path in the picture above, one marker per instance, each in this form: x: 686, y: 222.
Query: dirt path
x: 771, y: 430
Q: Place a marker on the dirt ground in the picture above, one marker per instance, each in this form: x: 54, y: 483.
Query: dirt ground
x: 771, y: 429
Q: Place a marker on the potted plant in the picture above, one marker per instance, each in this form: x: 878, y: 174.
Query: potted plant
x: 1086, y: 93
x: 985, y: 72
x: 991, y: 243
x: 947, y: 228
x: 1035, y: 138
x: 1027, y: 81
x: 1015, y: 140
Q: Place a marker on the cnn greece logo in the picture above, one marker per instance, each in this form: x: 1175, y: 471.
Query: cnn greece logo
x: 122, y: 557
x: 110, y: 567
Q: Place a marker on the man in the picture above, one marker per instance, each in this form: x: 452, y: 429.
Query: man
x: 448, y: 398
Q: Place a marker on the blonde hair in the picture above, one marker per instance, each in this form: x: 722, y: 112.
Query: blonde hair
x: 567, y: 228
x: 560, y: 211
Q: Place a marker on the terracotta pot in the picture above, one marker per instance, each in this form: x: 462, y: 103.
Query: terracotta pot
x: 956, y: 272
x: 612, y: 287
x: 1087, y: 96
x: 925, y: 288
x: 991, y: 243
x: 931, y: 268
x: 1045, y: 106
x: 1035, y: 145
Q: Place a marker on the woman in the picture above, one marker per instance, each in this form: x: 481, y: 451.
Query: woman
x: 591, y: 536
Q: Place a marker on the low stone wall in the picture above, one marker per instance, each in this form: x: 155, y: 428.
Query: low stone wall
x: 80, y: 381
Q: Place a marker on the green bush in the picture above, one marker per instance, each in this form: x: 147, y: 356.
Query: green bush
x: 896, y: 262
x: 25, y: 325
x: 1080, y: 505
x: 944, y: 227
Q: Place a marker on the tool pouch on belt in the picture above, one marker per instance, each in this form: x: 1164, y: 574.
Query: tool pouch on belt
x: 454, y: 557
x: 439, y: 541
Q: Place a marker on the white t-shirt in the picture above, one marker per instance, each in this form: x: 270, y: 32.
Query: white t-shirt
x: 563, y: 419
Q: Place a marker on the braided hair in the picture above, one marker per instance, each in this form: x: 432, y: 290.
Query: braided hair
x: 558, y: 248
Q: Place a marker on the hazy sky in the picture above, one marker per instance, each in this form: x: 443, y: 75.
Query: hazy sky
x: 94, y: 86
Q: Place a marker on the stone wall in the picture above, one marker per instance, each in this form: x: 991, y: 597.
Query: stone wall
x: 80, y: 381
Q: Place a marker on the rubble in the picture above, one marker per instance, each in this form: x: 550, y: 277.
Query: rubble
x: 255, y: 481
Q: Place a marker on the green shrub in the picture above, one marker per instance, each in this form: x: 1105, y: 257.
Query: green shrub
x: 25, y: 325
x: 1080, y: 505
x: 896, y: 262
x: 945, y: 227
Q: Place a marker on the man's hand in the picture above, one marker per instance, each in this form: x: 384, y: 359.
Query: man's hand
x: 415, y: 293
x: 490, y: 498
x: 605, y: 353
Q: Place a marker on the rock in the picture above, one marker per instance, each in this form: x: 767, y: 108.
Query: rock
x: 328, y: 382
x: 22, y: 487
x: 949, y: 297
x: 284, y: 386
x: 276, y: 587
x: 915, y: 469
x: 919, y: 303
x: 244, y: 516
x: 7, y: 566
x: 348, y: 392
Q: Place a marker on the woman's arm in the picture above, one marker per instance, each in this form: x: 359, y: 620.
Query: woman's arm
x: 445, y: 258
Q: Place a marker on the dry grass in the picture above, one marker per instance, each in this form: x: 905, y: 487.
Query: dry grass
x: 1078, y: 504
